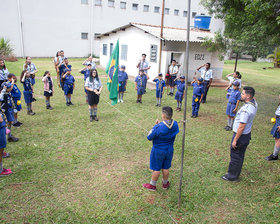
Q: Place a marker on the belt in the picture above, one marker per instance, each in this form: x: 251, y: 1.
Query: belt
x: 231, y: 103
x: 277, y: 116
x: 196, y: 96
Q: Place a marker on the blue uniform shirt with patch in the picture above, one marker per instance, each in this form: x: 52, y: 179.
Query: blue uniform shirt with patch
x: 180, y: 86
x: 141, y: 80
x: 86, y: 73
x: 69, y: 79
x: 27, y: 84
x: 163, y: 135
x: 65, y: 68
x: 16, y: 92
x: 198, y: 90
x: 159, y: 84
x: 235, y: 95
x: 122, y: 76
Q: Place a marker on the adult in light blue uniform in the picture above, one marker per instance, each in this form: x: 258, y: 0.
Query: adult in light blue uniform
x: 123, y: 77
x: 163, y: 135
x: 180, y: 91
x: 275, y: 132
x: 90, y: 61
x: 144, y: 65
x: 69, y: 85
x: 207, y: 75
x: 140, y: 85
x: 198, y: 91
x: 232, y: 106
x: 4, y: 72
x: 241, y: 133
x: 160, y: 84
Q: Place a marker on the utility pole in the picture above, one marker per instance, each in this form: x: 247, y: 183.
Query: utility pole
x: 161, y: 34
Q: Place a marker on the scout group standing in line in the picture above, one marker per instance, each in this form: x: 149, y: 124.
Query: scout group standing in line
x: 163, y: 133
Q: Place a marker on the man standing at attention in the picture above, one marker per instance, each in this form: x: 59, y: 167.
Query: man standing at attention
x: 242, y: 133
x: 207, y: 75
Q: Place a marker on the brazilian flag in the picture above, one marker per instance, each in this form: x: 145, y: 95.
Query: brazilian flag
x: 112, y: 69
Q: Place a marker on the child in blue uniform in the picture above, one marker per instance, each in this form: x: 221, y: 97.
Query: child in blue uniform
x: 123, y: 77
x: 163, y: 135
x: 236, y: 76
x: 8, y: 106
x: 160, y: 84
x: 63, y: 67
x: 232, y: 106
x: 275, y: 132
x: 3, y: 142
x: 69, y: 86
x: 140, y: 85
x: 16, y: 95
x: 29, y: 66
x: 180, y: 91
x: 198, y: 91
x: 86, y: 72
x: 25, y: 79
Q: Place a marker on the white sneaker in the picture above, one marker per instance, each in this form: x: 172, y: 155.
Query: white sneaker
x: 121, y: 101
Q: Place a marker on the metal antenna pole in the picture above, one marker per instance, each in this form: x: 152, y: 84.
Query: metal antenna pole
x: 185, y: 106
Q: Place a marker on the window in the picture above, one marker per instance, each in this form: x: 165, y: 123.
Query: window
x: 146, y: 8
x: 156, y: 9
x: 185, y: 13
x: 176, y: 12
x: 96, y: 34
x: 124, y: 52
x: 111, y: 3
x: 98, y: 2
x: 84, y: 36
x: 123, y: 5
x: 166, y: 11
x: 135, y: 6
x: 193, y: 14
x: 104, y: 49
x: 153, y: 53
x: 203, y: 14
x: 84, y: 2
x: 111, y: 48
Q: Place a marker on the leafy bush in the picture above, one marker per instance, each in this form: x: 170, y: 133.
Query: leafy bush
x: 6, y: 49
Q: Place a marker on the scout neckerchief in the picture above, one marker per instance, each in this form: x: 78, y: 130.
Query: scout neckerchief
x: 252, y: 102
x: 168, y: 123
x: 141, y: 80
x: 159, y: 84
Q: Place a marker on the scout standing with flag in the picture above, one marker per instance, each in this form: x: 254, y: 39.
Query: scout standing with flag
x: 112, y: 69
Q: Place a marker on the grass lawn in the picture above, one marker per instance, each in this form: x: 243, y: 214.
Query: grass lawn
x: 67, y: 170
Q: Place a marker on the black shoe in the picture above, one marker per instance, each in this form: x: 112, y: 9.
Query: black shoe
x: 225, y: 177
x: 20, y: 123
x: 67, y: 104
x: 192, y: 116
x: 95, y: 118
x: 228, y: 128
x: 271, y: 157
x: 140, y: 101
x: 16, y: 124
x: 50, y: 108
x: 157, y: 105
x: 12, y: 139
x: 90, y: 118
x: 31, y: 113
x: 137, y: 101
x: 71, y: 103
x: 33, y: 99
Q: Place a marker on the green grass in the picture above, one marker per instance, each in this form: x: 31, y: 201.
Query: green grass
x: 67, y: 170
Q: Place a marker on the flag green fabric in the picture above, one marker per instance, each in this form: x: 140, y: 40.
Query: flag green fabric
x: 112, y: 69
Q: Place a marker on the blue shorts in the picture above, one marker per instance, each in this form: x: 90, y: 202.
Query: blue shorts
x: 158, y: 94
x: 179, y: 96
x: 68, y: 89
x: 230, y: 108
x: 161, y: 159
x: 27, y: 96
x: 32, y: 81
x: 274, y: 132
x: 122, y: 87
x: 140, y: 90
x: 18, y: 107
x: 10, y: 114
x: 3, y: 139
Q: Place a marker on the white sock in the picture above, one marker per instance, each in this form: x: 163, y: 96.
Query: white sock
x: 276, y: 150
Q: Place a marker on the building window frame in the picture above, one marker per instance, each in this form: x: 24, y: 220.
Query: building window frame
x: 84, y: 36
x: 122, y: 5
x: 105, y: 49
x: 156, y: 9
x: 135, y: 6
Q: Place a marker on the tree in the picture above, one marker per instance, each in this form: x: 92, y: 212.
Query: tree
x: 276, y: 57
x: 251, y: 26
x: 5, y: 48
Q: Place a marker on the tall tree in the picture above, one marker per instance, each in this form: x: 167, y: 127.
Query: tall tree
x: 252, y: 26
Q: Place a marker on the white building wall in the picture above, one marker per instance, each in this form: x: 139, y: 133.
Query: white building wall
x: 57, y: 24
x: 138, y: 43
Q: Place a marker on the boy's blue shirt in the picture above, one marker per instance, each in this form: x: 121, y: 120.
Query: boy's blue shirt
x: 122, y: 76
x: 157, y: 81
x: 16, y: 92
x: 69, y: 79
x: 235, y: 95
x: 141, y: 80
x: 198, y: 90
x: 85, y: 73
x: 27, y: 84
x: 163, y: 135
x: 180, y: 85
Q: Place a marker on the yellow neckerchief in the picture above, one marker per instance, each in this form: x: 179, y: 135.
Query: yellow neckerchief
x: 168, y: 125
